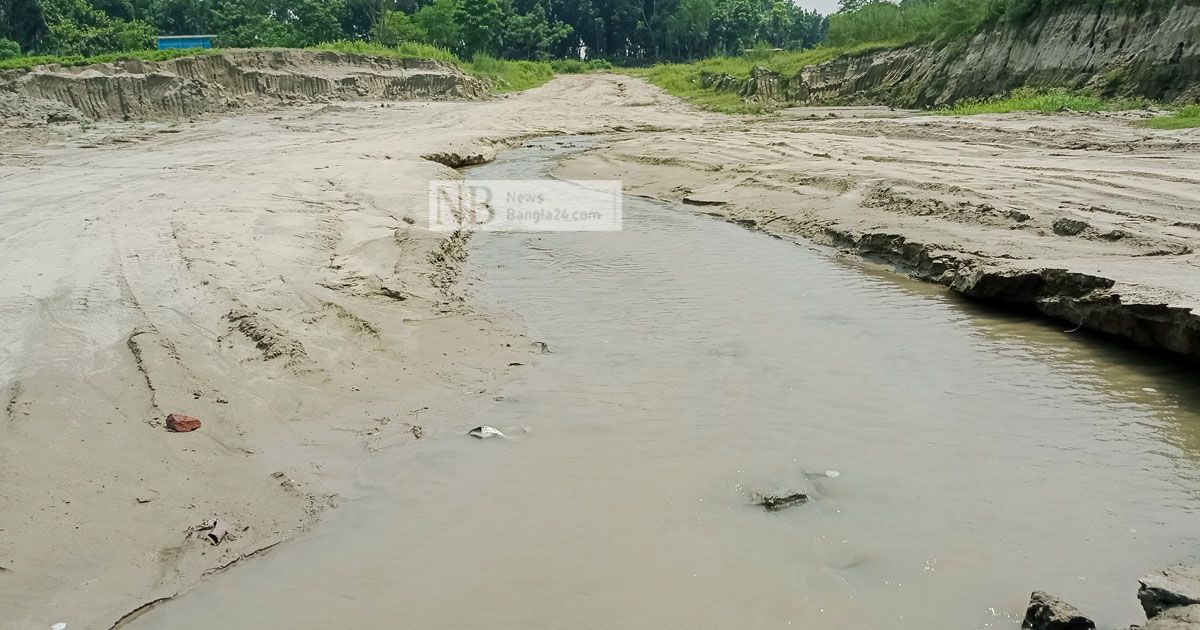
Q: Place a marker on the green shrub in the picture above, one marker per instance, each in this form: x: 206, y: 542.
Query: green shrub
x: 1185, y: 117
x: 9, y: 49
x: 510, y: 76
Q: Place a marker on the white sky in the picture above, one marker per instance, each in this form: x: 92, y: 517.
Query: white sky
x: 824, y: 7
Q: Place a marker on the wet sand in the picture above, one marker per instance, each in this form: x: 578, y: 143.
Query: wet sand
x: 268, y: 273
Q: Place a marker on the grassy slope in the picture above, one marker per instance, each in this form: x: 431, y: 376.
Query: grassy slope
x: 1184, y: 118
x: 683, y: 79
x: 1045, y: 101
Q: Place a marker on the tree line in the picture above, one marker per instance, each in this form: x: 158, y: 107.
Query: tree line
x: 618, y: 30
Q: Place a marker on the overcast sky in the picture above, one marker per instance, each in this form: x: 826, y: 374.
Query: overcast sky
x: 824, y: 7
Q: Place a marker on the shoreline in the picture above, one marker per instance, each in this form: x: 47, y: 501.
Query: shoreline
x: 1114, y: 272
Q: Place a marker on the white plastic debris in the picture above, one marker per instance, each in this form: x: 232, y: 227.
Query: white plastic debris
x: 485, y: 432
x: 832, y: 473
x: 59, y: 626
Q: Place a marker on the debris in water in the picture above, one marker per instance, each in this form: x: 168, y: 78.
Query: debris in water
x: 179, y: 423
x: 541, y: 347
x: 217, y: 531
x: 59, y: 626
x: 775, y: 501
x: 485, y: 432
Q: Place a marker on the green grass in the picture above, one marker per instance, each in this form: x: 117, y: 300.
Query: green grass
x: 1044, y: 101
x: 407, y: 50
x: 504, y: 75
x: 76, y: 60
x: 683, y: 79
x: 510, y: 76
x: 1184, y: 118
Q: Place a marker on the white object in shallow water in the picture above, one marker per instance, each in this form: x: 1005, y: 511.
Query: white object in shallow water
x: 59, y: 626
x: 832, y: 473
x: 485, y: 432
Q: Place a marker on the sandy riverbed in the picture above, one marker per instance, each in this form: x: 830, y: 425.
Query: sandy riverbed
x: 268, y: 273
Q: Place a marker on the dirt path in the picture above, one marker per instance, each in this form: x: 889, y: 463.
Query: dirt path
x: 268, y: 274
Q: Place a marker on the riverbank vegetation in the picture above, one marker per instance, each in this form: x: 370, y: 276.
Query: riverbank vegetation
x: 685, y: 79
x: 1049, y: 101
x: 1183, y: 118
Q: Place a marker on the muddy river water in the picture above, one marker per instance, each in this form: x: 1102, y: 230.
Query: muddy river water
x: 693, y: 362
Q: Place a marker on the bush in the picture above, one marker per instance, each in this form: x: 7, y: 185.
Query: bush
x: 510, y: 76
x: 1185, y: 117
x: 9, y: 49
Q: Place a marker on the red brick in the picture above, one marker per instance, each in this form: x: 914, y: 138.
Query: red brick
x: 180, y: 423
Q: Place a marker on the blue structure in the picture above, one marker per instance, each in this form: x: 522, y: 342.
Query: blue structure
x: 185, y: 41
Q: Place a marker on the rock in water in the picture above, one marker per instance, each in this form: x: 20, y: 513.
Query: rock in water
x: 1179, y: 618
x: 1047, y: 612
x: 179, y: 423
x: 1177, y: 585
x: 775, y: 501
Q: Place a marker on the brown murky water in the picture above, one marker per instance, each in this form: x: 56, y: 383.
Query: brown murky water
x: 981, y: 456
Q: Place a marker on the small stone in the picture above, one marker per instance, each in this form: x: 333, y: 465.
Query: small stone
x: 485, y: 432
x: 1068, y: 227
x: 1047, y: 612
x: 179, y: 423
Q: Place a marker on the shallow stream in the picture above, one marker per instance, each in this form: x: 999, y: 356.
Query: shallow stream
x: 979, y: 455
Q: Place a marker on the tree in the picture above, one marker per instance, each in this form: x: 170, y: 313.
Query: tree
x: 23, y: 22
x: 9, y: 49
x: 182, y: 17
x: 359, y: 16
x: 437, y: 19
x: 78, y: 28
x: 688, y: 27
x: 481, y: 22
x: 530, y: 35
x: 396, y: 27
x: 736, y: 24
